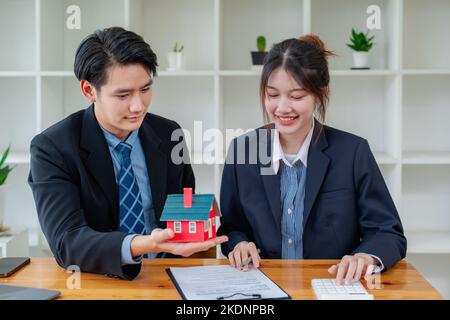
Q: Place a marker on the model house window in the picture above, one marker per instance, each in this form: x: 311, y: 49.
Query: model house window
x: 177, y: 227
x: 192, y: 227
x: 206, y: 223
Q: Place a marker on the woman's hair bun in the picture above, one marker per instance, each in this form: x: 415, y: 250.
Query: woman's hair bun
x: 318, y: 43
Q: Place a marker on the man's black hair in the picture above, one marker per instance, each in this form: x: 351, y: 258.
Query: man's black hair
x: 104, y: 48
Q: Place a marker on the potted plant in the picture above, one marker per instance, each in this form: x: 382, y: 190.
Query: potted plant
x: 176, y: 58
x: 259, y: 56
x: 4, y: 172
x: 361, y: 44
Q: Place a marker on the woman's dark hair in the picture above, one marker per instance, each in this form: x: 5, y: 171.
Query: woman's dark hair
x: 305, y: 59
x: 104, y: 48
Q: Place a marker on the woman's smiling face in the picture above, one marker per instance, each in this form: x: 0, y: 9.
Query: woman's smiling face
x: 288, y: 105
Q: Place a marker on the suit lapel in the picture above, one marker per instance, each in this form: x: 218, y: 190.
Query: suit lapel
x: 97, y: 159
x: 271, y: 180
x: 156, y: 161
x: 317, y: 168
x: 272, y: 186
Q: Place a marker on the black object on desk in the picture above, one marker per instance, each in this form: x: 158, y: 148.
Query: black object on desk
x: 10, y: 265
x: 8, y: 292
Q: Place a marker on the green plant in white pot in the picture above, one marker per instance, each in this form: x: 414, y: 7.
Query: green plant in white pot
x: 176, y: 58
x: 361, y: 43
x: 4, y: 172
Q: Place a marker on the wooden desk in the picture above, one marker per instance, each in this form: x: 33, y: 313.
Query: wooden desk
x: 294, y: 276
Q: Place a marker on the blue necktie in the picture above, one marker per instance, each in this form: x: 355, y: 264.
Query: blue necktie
x: 131, y: 209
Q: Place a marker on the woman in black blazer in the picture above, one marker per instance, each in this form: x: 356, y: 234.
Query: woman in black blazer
x: 297, y: 189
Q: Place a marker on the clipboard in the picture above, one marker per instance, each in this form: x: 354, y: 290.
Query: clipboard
x: 270, y: 291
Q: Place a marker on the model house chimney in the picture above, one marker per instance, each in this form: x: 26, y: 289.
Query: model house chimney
x: 187, y: 197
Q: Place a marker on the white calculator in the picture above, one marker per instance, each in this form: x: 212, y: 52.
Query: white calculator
x: 328, y: 289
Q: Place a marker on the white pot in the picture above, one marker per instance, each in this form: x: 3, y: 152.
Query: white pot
x: 176, y: 61
x: 2, y: 206
x: 360, y: 59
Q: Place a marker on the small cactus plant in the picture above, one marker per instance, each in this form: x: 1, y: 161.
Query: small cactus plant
x: 259, y: 56
x: 261, y: 43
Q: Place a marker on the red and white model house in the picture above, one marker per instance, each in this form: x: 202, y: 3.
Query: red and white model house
x: 191, y: 217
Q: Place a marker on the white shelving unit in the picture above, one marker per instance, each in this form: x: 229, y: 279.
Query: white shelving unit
x: 401, y: 105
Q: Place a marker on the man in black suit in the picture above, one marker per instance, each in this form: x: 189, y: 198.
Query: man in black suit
x: 100, y: 177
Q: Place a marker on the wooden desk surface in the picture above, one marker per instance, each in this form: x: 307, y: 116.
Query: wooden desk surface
x: 294, y: 276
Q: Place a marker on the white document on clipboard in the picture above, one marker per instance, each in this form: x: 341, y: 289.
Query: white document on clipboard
x: 223, y: 282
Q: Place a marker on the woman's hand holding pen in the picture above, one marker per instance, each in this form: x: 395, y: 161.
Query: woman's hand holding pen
x: 244, y: 253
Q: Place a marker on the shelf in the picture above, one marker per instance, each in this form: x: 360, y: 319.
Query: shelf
x: 373, y: 72
x: 57, y: 73
x: 189, y: 23
x: 161, y: 73
x: 426, y: 72
x: 17, y: 74
x: 239, y: 73
x: 384, y: 158
x: 185, y: 73
x: 426, y: 158
x: 334, y: 20
x: 425, y: 26
x: 21, y: 157
x: 349, y: 73
x: 428, y: 241
x: 244, y: 21
x: 17, y: 35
